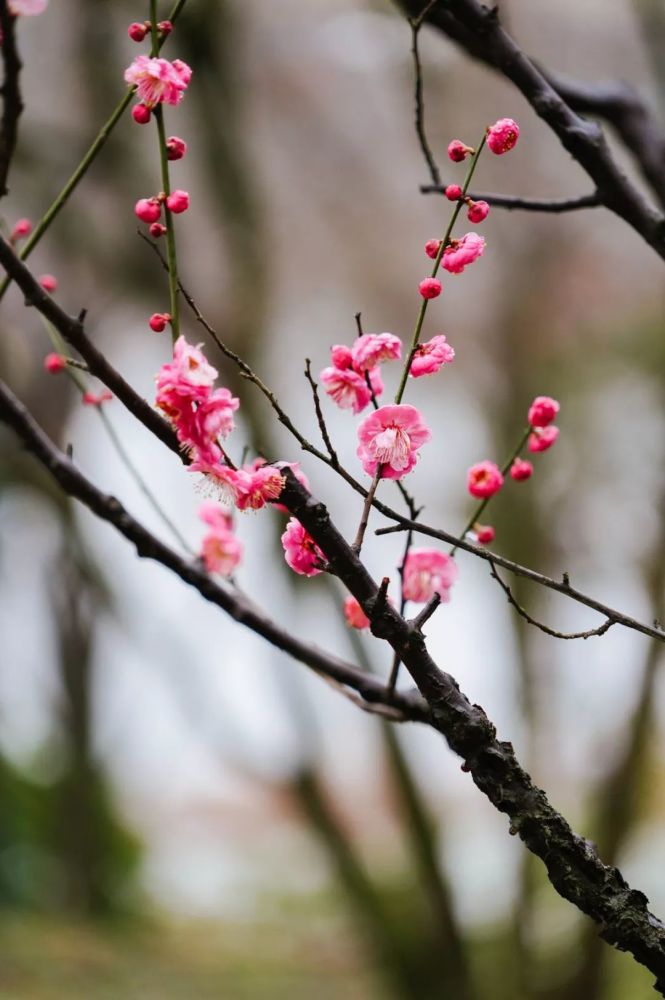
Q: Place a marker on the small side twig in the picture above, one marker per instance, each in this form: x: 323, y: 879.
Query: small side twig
x: 319, y: 413
x: 415, y: 25
x: 426, y: 613
x: 523, y: 613
x: 513, y: 202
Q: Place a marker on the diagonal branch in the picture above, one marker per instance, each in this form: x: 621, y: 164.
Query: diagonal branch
x: 478, y: 30
x: 148, y: 546
x: 572, y: 863
x: 513, y: 202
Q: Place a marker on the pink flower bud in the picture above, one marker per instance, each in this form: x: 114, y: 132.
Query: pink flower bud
x: 54, y: 363
x: 148, y: 209
x: 22, y: 228
x: 430, y: 288
x: 141, y: 114
x: 48, y: 282
x: 157, y: 229
x: 178, y: 201
x: 458, y: 151
x: 484, y: 479
x: 137, y: 32
x: 478, y: 210
x: 432, y: 248
x: 502, y: 136
x: 521, y: 470
x: 542, y: 411
x: 543, y: 438
x: 175, y: 148
x: 354, y: 614
x: 164, y: 27
x: 485, y: 533
x: 158, y: 321
x: 453, y: 192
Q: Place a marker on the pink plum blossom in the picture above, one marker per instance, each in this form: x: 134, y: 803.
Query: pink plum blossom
x: 462, y: 252
x: 138, y: 31
x: 189, y: 374
x: 141, y: 114
x: 502, y: 136
x: 54, y: 363
x: 349, y: 388
x: 178, y: 201
x: 453, y: 192
x: 372, y: 348
x: 432, y: 248
x: 484, y: 479
x: 390, y: 438
x: 256, y: 485
x: 221, y: 551
x: 542, y: 438
x: 354, y: 614
x: 428, y: 572
x: 301, y: 552
x: 458, y: 151
x: 484, y: 533
x: 542, y: 411
x: 148, y: 209
x: 430, y: 288
x: 521, y: 470
x: 157, y: 80
x: 175, y: 148
x: 478, y: 211
x: 431, y: 356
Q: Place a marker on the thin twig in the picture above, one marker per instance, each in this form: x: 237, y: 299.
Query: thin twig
x: 319, y: 413
x: 601, y: 630
x: 524, y: 204
x: 426, y: 613
x: 364, y: 517
x: 416, y: 24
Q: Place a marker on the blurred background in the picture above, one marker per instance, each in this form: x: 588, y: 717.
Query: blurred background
x: 184, y: 813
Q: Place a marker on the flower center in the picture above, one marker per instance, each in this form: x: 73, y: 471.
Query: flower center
x: 392, y: 447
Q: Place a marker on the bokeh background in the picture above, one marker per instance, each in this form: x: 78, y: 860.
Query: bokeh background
x: 183, y: 811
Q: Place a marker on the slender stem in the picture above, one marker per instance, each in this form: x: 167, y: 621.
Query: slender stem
x: 171, y: 256
x: 505, y: 468
x: 79, y: 173
x: 367, y: 506
x: 444, y: 243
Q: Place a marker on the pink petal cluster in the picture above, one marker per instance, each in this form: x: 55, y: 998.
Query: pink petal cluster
x: 199, y: 413
x: 502, y: 136
x: 477, y: 211
x: 27, y: 8
x: 430, y: 288
x: 521, y: 470
x: 301, y: 552
x: 542, y: 411
x: 453, y: 192
x: 157, y: 80
x: 390, y: 438
x: 354, y: 614
x: 431, y: 356
x: 542, y: 438
x: 345, y: 380
x: 462, y: 252
x: 220, y: 551
x: 484, y: 479
x: 428, y: 572
x: 458, y: 151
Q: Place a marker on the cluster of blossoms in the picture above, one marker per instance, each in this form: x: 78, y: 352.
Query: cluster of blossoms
x: 486, y: 478
x: 221, y: 550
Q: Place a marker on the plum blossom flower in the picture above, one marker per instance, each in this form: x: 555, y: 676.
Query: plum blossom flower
x: 148, y: 209
x: 301, y: 552
x: 484, y: 479
x: 178, y: 201
x: 348, y: 389
x: 157, y: 80
x: 453, y: 192
x: 430, y: 288
x: 27, y: 8
x: 458, y: 151
x: 428, y: 572
x: 478, y: 211
x: 256, y: 485
x: 542, y: 411
x: 462, y: 252
x: 220, y: 551
x: 542, y: 438
x: 502, y: 136
x: 484, y: 533
x: 371, y: 348
x: 299, y: 475
x: 431, y: 356
x: 432, y: 248
x: 189, y: 374
x: 390, y: 438
x: 521, y: 470
x: 354, y: 614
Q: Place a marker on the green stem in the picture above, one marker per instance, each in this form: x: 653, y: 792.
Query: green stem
x: 60, y: 201
x: 505, y: 468
x: 444, y: 243
x: 171, y: 256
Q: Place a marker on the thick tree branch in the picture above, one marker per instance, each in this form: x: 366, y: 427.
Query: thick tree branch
x: 573, y: 866
x: 239, y: 607
x: 478, y: 30
x: 12, y: 105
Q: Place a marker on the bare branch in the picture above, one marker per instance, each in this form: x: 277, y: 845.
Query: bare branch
x: 512, y: 202
x: 319, y: 413
x: 12, y: 105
